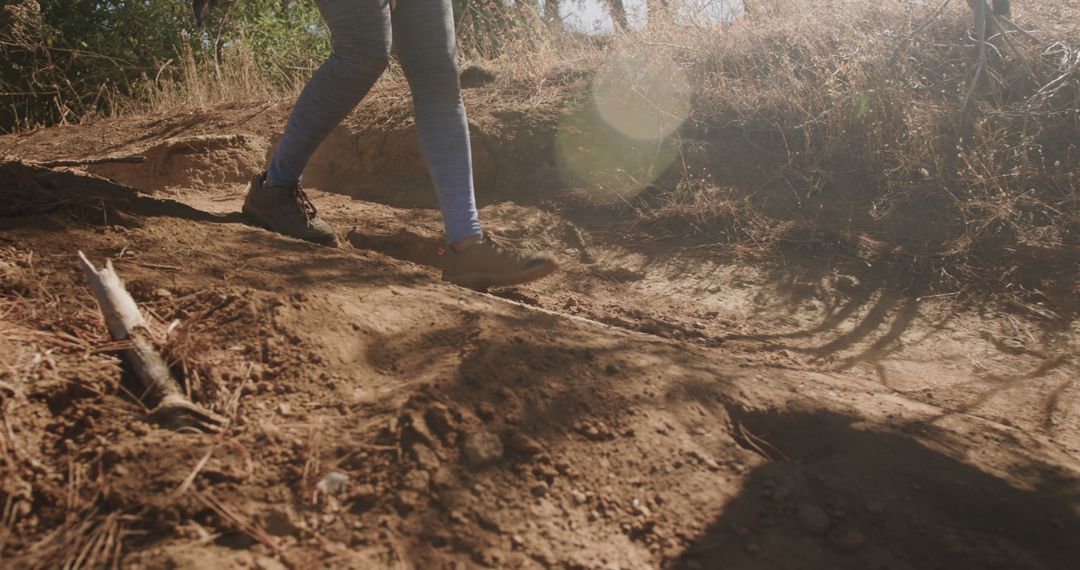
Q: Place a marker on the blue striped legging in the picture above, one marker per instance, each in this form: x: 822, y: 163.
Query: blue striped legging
x: 424, y: 44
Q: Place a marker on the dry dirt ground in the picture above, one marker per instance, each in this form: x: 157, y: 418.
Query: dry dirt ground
x: 650, y: 406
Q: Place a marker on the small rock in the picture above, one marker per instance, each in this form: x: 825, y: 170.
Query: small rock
x: 425, y: 457
x: 850, y: 539
x: 517, y: 541
x: 279, y: 522
x: 333, y: 483
x: 546, y: 472
x: 492, y: 557
x: 163, y: 293
x: 417, y: 480
x: 486, y: 411
x: 363, y: 497
x: 443, y: 478
x: 284, y: 409
x: 267, y: 563
x: 594, y: 431
x: 439, y: 419
x: 611, y: 369
x: 524, y: 444
x: 482, y: 448
x: 813, y: 518
x: 407, y: 501
x: 578, y: 497
x: 538, y: 489
x: 419, y: 427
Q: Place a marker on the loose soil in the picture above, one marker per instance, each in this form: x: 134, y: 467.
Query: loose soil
x: 650, y: 406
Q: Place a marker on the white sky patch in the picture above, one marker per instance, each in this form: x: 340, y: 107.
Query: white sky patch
x: 593, y: 17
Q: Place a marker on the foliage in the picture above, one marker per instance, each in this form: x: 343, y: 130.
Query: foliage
x: 68, y: 59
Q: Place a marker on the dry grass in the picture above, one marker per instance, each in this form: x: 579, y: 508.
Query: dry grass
x: 855, y: 122
x: 50, y: 354
x: 192, y: 84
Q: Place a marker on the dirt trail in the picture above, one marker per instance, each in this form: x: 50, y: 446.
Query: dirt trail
x: 654, y: 406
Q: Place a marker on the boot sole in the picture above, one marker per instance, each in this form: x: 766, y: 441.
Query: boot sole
x: 484, y: 281
x: 254, y: 219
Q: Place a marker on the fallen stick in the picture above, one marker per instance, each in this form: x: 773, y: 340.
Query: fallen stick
x: 172, y: 409
x: 134, y: 158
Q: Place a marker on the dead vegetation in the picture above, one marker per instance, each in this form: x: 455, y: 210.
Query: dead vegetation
x: 844, y: 124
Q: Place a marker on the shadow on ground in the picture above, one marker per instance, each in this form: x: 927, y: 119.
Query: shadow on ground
x: 841, y: 495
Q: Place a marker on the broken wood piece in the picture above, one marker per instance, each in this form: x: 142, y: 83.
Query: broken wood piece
x: 171, y: 408
x: 131, y: 158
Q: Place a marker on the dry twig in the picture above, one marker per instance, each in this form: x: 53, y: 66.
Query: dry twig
x: 125, y: 322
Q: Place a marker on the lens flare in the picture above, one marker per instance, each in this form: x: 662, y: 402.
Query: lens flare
x: 621, y: 140
x: 645, y: 96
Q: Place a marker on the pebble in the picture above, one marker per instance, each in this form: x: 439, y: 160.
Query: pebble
x: 279, y: 522
x: 486, y: 411
x: 595, y: 431
x: 407, y: 501
x: 524, y: 444
x: 417, y: 480
x: 439, y: 419
x: 579, y: 497
x: 267, y: 563
x: 443, y: 478
x: 813, y: 518
x: 333, y: 483
x: 482, y: 448
x: 420, y: 427
x: 363, y: 497
x: 425, y: 457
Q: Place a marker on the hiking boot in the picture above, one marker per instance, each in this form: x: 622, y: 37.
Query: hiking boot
x: 485, y: 264
x: 286, y: 210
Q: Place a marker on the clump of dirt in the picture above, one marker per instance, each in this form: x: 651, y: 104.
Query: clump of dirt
x: 194, y: 161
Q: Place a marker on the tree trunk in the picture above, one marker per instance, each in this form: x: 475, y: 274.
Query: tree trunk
x: 553, y: 14
x: 618, y: 14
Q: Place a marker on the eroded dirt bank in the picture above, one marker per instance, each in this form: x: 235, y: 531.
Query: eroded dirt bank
x: 655, y: 407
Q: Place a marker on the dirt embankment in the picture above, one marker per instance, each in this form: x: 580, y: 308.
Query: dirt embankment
x: 649, y: 407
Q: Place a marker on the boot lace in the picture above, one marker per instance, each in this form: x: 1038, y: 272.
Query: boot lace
x: 304, y: 204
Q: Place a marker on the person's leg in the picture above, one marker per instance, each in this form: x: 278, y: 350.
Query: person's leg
x: 424, y: 44
x: 360, y: 36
